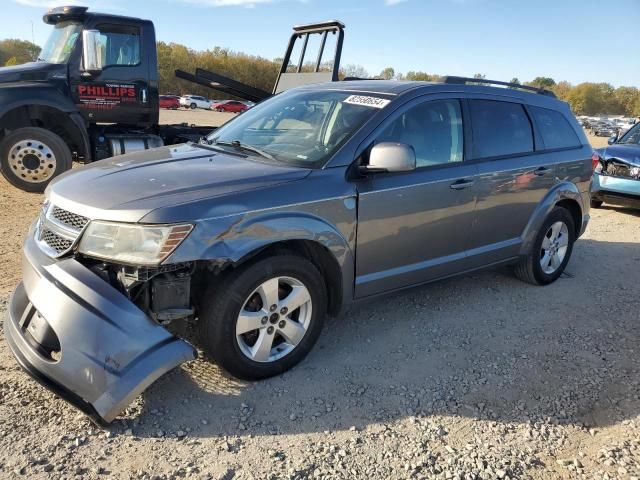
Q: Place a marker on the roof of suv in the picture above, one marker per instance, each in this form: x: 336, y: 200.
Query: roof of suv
x: 396, y: 88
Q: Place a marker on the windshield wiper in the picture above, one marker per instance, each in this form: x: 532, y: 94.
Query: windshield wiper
x: 243, y: 146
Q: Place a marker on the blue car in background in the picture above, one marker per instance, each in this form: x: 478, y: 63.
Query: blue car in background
x: 616, y: 176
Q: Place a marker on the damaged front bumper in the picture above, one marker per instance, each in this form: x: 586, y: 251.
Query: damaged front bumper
x: 618, y: 190
x: 83, y: 339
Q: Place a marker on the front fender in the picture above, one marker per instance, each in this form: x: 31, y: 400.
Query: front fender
x: 230, y: 240
x: 561, y: 191
x: 17, y: 95
x: 14, y: 96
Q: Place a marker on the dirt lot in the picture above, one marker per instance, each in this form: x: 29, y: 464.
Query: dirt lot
x: 475, y: 377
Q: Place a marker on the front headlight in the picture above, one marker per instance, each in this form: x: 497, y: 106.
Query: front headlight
x: 130, y: 243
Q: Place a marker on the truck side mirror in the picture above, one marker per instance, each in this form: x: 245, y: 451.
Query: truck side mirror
x: 91, y: 51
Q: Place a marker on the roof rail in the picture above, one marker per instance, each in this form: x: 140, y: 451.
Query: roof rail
x: 465, y: 80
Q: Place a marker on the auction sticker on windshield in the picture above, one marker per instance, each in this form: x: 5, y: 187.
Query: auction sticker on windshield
x: 367, y: 101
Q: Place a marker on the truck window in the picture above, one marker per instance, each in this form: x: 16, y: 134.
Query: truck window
x: 120, y: 46
x: 60, y: 43
x: 500, y: 129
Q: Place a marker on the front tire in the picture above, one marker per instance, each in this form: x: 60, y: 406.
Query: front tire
x: 31, y: 157
x: 551, y: 250
x: 264, y: 318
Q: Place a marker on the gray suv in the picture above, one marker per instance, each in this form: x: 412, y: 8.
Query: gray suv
x: 315, y: 198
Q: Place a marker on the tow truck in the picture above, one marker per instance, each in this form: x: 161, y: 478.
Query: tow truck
x: 93, y: 93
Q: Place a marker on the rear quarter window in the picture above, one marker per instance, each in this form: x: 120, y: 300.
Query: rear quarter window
x: 554, y: 128
x: 500, y: 129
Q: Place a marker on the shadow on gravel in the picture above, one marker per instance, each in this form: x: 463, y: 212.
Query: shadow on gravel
x: 626, y: 210
x: 484, y: 346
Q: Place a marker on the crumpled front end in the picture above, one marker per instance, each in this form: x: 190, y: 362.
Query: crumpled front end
x: 617, y: 181
x: 82, y: 338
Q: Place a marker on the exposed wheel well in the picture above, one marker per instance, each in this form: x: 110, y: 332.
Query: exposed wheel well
x: 49, y: 118
x: 319, y: 255
x: 576, y: 213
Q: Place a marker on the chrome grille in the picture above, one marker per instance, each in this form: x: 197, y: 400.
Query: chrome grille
x: 58, y: 230
x: 71, y: 220
x: 55, y: 241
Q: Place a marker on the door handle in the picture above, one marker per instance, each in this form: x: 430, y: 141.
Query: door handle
x: 461, y: 184
x: 541, y: 171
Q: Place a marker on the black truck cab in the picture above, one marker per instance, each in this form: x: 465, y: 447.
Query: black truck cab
x: 93, y: 93
x: 124, y: 87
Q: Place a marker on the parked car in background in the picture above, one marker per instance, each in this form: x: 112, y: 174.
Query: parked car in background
x: 234, y: 106
x: 603, y: 129
x: 623, y: 125
x: 168, y: 101
x: 250, y: 234
x: 194, y: 101
x: 616, y: 177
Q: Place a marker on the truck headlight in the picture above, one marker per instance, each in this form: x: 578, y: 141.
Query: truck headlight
x: 131, y: 243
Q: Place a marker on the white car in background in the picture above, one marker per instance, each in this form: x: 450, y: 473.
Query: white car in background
x: 623, y: 124
x: 194, y: 101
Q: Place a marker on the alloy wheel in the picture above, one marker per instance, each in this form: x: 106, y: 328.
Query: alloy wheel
x: 274, y: 319
x: 554, y: 247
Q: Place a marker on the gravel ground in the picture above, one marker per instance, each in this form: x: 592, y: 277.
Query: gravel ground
x: 478, y: 377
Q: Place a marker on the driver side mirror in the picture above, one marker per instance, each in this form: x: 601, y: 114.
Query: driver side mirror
x: 390, y: 157
x: 91, y: 51
x: 613, y: 139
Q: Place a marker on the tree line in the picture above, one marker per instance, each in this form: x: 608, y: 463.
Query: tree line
x: 586, y: 98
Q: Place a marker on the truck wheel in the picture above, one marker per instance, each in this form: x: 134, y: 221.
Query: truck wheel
x: 264, y: 318
x: 193, y: 106
x: 551, y: 250
x: 31, y: 157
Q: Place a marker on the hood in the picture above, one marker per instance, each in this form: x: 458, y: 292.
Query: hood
x: 627, y: 153
x: 33, y: 72
x: 127, y: 187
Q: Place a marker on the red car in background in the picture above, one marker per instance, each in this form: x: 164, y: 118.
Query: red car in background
x: 229, y: 106
x: 169, y: 101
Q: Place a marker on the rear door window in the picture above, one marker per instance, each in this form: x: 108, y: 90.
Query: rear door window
x: 500, y: 129
x: 555, y: 129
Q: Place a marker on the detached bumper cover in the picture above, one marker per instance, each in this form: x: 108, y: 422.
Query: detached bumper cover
x: 84, y: 340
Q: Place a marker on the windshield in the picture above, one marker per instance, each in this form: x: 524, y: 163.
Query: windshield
x: 60, y: 43
x: 301, y: 128
x: 632, y: 136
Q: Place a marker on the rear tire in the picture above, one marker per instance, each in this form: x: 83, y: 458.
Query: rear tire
x: 31, y: 157
x: 551, y: 250
x: 241, y: 301
x: 596, y: 203
x: 193, y: 106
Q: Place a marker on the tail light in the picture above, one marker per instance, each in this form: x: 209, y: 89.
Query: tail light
x: 595, y: 161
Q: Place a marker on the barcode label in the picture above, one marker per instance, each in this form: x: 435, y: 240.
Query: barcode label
x: 367, y: 101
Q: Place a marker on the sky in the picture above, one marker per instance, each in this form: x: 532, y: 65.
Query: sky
x: 573, y: 40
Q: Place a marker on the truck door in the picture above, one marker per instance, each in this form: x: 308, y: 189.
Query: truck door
x: 120, y: 92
